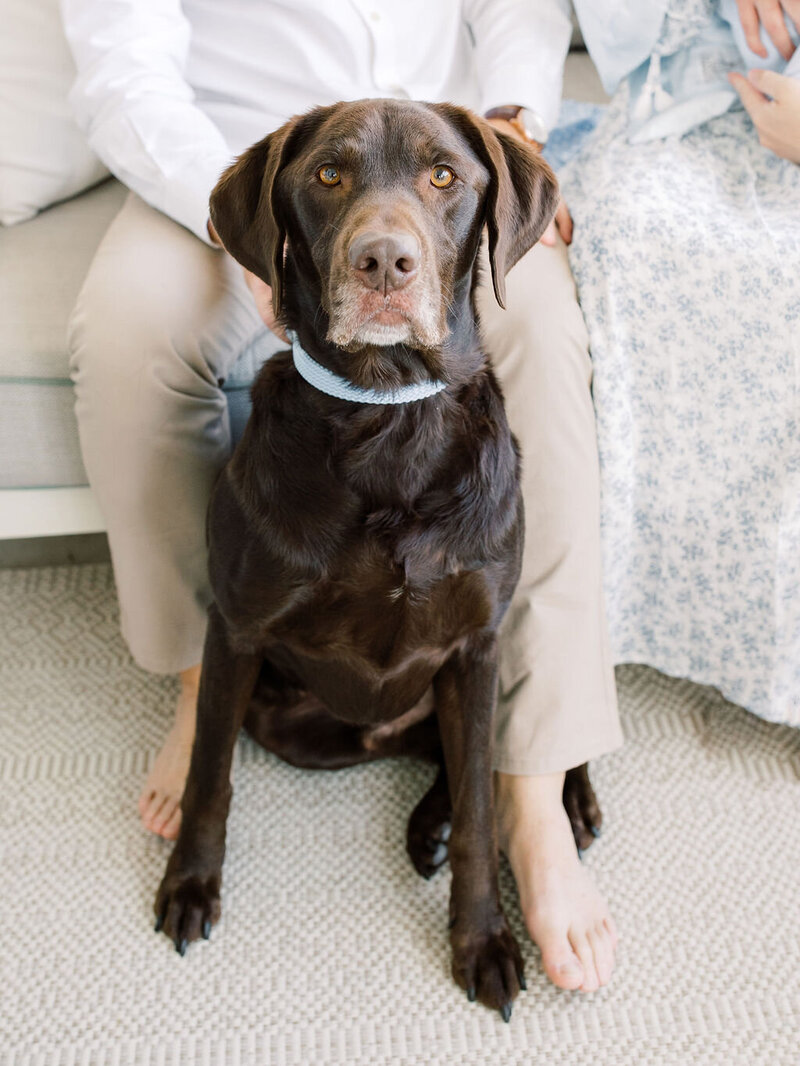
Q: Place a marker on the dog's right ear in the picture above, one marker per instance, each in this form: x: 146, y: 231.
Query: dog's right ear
x: 245, y: 214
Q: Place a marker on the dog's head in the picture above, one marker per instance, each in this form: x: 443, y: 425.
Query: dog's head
x: 380, y: 205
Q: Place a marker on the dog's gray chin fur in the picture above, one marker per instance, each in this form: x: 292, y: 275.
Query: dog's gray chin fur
x: 383, y: 336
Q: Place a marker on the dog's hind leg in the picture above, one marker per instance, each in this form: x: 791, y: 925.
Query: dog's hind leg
x: 296, y: 726
x: 304, y: 733
x: 429, y: 828
x: 581, y: 806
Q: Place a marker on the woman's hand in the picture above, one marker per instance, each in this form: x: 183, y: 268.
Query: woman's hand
x: 778, y: 119
x: 770, y: 15
x: 262, y: 295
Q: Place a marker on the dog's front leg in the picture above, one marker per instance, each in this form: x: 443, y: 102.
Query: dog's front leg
x: 486, y: 958
x: 188, y: 900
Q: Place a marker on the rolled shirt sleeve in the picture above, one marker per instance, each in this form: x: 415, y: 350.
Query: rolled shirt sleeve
x: 520, y: 49
x: 133, y: 102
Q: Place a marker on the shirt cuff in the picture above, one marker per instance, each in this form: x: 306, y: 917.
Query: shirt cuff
x: 187, y: 194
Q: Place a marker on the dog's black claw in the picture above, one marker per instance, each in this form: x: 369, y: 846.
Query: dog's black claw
x: 505, y: 1012
x: 159, y: 923
x: 206, y: 929
x: 596, y: 831
x: 451, y: 922
x: 580, y: 854
x: 439, y: 855
x: 471, y: 993
x: 181, y: 946
x: 523, y: 984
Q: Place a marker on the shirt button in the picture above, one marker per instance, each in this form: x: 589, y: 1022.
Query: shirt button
x: 375, y: 16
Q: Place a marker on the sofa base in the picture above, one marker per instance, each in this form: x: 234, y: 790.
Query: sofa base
x: 48, y: 512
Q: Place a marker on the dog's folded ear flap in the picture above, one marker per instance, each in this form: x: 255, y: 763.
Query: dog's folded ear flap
x: 521, y: 202
x: 243, y: 209
x: 522, y: 196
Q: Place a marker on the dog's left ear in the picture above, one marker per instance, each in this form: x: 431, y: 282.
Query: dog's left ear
x: 246, y: 209
x: 522, y: 196
x: 243, y: 213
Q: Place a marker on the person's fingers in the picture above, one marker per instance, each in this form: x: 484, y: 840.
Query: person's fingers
x: 563, y: 221
x: 213, y: 233
x: 792, y: 9
x: 770, y: 83
x: 549, y: 235
x: 770, y: 13
x: 262, y: 295
x: 748, y: 16
x: 754, y: 101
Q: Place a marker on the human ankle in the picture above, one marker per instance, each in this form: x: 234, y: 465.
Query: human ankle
x: 190, y: 679
x: 530, y: 797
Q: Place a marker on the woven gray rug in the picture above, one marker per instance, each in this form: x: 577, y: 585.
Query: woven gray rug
x: 331, y: 949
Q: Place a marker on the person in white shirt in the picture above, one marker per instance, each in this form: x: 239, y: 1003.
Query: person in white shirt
x: 168, y: 93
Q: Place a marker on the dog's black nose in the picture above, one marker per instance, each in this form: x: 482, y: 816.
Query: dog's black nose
x: 384, y: 261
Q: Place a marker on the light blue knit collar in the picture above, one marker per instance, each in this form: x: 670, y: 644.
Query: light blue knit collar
x: 326, y: 381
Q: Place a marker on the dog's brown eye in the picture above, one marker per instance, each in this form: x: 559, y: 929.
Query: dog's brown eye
x: 329, y: 175
x: 441, y: 177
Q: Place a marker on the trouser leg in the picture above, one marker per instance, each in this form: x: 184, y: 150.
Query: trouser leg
x: 159, y: 322
x: 557, y: 705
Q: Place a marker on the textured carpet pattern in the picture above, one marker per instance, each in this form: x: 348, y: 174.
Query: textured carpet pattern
x: 331, y: 949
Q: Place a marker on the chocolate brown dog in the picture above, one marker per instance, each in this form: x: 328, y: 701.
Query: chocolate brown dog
x: 364, y: 545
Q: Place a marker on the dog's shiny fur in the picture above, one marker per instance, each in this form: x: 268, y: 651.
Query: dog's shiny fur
x: 362, y: 556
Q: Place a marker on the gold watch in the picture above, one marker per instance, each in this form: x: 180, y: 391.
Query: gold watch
x: 527, y: 122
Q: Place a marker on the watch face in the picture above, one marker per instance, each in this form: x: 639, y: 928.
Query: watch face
x: 533, y: 124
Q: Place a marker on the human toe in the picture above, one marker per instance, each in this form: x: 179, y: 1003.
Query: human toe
x: 165, y: 814
x: 603, y: 952
x: 560, y: 962
x: 170, y: 829
x: 582, y: 947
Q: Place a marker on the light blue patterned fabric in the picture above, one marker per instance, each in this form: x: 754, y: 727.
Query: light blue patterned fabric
x: 686, y: 254
x: 685, y: 83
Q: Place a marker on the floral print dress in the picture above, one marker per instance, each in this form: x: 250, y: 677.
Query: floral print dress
x: 686, y: 254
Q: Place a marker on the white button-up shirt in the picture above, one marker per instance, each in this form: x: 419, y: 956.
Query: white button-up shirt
x: 168, y: 93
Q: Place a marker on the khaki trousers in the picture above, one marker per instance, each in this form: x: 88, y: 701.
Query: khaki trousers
x: 160, y: 322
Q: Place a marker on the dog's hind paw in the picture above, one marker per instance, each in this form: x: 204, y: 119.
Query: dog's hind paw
x: 581, y: 806
x: 429, y: 829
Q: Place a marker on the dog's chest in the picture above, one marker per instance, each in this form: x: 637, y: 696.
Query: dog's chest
x: 380, y: 612
x: 368, y: 640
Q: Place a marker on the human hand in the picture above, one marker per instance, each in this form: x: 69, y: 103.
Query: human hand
x: 259, y: 290
x: 262, y: 295
x: 562, y: 221
x: 770, y: 15
x: 777, y: 120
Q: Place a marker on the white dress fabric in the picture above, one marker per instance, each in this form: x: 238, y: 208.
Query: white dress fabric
x: 686, y: 256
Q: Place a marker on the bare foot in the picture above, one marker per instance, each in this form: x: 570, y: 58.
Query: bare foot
x: 159, y: 803
x: 564, y: 912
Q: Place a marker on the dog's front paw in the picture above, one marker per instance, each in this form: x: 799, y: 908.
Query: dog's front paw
x: 489, y: 967
x: 187, y: 906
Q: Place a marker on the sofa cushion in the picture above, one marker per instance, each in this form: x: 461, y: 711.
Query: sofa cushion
x: 43, y: 264
x: 44, y: 156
